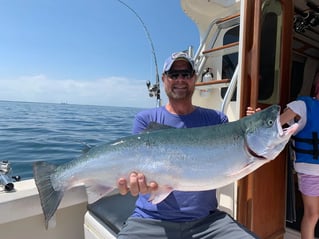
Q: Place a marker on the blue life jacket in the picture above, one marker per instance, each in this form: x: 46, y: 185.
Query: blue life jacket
x: 306, y: 141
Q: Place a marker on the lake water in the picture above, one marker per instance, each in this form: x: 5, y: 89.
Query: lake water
x: 56, y: 133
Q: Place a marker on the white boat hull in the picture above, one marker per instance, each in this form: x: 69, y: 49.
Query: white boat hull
x: 21, y: 214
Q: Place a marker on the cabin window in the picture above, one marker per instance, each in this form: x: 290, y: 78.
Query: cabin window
x: 270, y: 53
x: 230, y: 61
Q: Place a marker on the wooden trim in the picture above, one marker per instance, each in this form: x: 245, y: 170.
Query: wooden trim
x: 249, y: 96
x: 213, y: 82
x: 221, y: 47
x: 261, y: 195
x: 225, y: 19
x: 255, y: 55
x: 246, y: 62
x: 286, y: 52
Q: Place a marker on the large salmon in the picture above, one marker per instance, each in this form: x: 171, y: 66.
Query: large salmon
x: 188, y: 159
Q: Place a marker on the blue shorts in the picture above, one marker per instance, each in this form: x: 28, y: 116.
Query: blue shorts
x: 217, y: 225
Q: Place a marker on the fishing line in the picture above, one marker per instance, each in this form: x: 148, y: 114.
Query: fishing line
x: 154, y: 90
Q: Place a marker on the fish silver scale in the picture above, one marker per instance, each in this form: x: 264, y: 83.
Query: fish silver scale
x: 189, y: 159
x: 166, y: 156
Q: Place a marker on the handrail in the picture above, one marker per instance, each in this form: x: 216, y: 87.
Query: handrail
x: 197, y: 58
x: 230, y: 90
x: 216, y: 21
x: 202, y: 60
x: 201, y: 46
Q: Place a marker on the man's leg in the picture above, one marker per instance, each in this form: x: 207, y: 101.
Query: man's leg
x: 140, y: 228
x: 219, y: 225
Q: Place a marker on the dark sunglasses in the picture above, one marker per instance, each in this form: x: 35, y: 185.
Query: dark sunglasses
x: 185, y: 74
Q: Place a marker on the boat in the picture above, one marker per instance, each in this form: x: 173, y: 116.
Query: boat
x: 251, y: 53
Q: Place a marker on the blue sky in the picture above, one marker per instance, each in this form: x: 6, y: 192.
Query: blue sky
x: 87, y: 51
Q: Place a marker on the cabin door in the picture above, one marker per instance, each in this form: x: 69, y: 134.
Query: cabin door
x: 265, y: 70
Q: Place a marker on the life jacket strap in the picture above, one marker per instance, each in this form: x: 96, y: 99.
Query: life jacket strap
x: 314, y: 141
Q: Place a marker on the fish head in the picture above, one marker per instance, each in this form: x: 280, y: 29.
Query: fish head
x: 265, y: 138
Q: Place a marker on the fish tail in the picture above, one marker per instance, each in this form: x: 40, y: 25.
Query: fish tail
x: 49, y: 198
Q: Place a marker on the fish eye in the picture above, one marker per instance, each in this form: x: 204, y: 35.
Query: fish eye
x: 270, y: 122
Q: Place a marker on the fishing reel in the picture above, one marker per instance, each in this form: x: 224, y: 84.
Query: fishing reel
x: 153, y: 89
x: 5, y: 180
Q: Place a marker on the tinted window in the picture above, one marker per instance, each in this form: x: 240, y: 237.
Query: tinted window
x: 230, y: 61
x: 267, y: 56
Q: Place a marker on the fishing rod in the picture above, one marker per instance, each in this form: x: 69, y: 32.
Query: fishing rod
x: 153, y: 89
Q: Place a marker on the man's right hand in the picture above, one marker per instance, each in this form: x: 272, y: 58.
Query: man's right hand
x: 137, y: 184
x: 250, y: 110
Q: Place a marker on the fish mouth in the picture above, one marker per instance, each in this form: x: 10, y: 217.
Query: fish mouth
x: 252, y: 153
x: 283, y: 135
x: 290, y: 130
x: 287, y: 131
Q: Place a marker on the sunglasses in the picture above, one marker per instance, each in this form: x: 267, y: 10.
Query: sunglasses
x: 184, y: 74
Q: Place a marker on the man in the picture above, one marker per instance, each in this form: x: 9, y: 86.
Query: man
x: 181, y: 214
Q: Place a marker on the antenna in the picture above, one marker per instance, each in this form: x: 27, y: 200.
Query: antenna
x: 154, y: 90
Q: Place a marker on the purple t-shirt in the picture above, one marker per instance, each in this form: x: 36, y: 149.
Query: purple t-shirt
x: 178, y: 206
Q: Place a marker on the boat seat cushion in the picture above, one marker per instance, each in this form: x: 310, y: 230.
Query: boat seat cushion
x: 113, y: 210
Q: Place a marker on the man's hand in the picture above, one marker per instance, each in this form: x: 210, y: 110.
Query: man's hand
x: 250, y: 110
x: 137, y: 184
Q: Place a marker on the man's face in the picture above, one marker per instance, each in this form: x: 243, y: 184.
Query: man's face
x: 178, y: 83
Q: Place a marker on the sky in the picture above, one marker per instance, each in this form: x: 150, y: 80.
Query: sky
x: 92, y: 52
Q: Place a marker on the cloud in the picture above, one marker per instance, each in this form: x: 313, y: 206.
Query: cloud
x: 113, y: 91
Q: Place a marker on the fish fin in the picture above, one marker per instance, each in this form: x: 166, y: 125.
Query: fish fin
x: 49, y: 198
x: 153, y: 126
x: 160, y: 194
x: 52, y: 222
x: 97, y: 191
